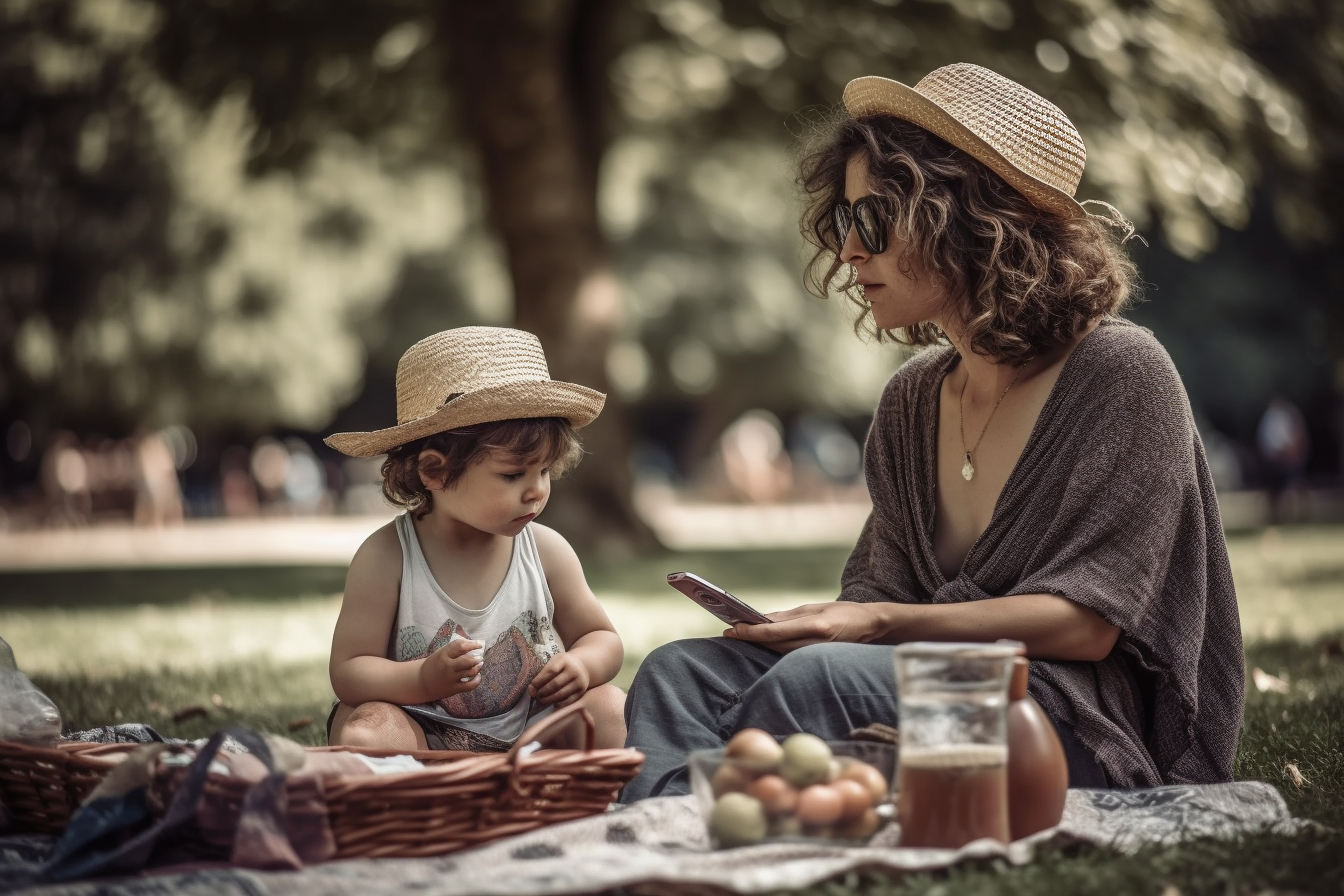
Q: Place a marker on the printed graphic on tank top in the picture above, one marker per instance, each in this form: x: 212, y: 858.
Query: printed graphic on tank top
x: 515, y: 629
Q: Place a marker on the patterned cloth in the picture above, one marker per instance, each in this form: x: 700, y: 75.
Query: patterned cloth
x: 1111, y: 505
x: 660, y: 845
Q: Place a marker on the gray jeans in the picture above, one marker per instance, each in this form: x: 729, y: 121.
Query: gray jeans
x: 694, y: 694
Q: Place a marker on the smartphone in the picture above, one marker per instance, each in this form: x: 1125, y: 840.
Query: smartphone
x: 714, y: 599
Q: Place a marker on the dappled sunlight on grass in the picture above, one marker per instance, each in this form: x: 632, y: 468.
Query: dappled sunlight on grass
x: 190, y: 666
x: 292, y: 699
x: 196, y: 635
x: 1290, y: 581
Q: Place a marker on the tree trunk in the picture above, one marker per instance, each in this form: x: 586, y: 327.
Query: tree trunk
x: 532, y: 84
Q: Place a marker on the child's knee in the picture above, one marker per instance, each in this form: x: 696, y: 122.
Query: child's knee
x: 606, y: 703
x: 378, y: 726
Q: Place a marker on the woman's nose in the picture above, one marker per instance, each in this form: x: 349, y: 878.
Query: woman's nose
x: 852, y: 250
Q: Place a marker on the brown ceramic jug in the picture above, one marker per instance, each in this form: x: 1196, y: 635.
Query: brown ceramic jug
x: 1038, y: 773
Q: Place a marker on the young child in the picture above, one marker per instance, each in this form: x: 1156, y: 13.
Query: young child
x: 463, y: 620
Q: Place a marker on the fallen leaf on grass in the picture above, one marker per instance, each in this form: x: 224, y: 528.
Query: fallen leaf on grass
x: 1299, y: 780
x: 303, y: 722
x: 1266, y: 682
x: 190, y: 712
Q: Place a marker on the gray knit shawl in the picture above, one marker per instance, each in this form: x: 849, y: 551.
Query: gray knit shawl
x: 1110, y: 505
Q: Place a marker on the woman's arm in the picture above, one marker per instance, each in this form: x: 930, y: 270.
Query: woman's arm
x: 593, y: 651
x: 1052, y: 627
x: 360, y: 670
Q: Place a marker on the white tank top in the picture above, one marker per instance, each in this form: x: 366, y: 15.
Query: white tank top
x: 515, y: 628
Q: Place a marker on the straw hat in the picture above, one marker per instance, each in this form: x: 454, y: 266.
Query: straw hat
x: 1023, y: 137
x: 467, y: 376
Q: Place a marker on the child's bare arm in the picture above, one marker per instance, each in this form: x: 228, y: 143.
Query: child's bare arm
x: 360, y: 671
x: 593, y: 651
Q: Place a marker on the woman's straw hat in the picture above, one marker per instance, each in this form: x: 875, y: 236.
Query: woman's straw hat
x: 467, y: 376
x: 1023, y: 137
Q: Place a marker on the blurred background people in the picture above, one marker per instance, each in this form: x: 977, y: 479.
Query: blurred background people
x: 1284, y: 446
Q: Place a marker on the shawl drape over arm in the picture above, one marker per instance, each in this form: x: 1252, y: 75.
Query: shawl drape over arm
x: 1110, y: 505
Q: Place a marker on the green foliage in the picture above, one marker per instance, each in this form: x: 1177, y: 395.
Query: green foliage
x: 221, y: 213
x: 715, y: 97
x: 178, y: 256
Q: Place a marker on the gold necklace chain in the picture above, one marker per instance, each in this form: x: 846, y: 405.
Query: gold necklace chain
x: 967, y: 469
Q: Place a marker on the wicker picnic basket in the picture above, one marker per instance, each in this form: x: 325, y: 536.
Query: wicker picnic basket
x: 41, y: 787
x: 459, y: 800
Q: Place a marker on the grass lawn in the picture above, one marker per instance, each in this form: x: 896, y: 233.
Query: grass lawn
x: 189, y: 651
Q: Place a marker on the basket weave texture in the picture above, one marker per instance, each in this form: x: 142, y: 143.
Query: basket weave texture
x: 460, y: 800
x: 41, y: 787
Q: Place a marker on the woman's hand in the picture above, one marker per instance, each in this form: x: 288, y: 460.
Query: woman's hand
x: 561, y: 681
x: 840, y: 620
x: 452, y: 669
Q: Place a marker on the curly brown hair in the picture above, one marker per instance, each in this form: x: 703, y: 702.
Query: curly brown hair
x: 1024, y: 280
x: 547, y: 440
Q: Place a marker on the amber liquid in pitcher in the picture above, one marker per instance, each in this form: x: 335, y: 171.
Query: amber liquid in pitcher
x: 951, y: 795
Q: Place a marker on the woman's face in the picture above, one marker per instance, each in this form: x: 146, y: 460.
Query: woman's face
x: 898, y: 298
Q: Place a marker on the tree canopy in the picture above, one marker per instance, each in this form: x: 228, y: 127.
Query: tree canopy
x: 228, y: 213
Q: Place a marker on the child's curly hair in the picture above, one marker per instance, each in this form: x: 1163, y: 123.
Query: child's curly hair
x: 547, y: 440
x: 1026, y: 280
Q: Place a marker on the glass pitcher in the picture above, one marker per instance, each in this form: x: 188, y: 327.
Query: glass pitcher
x: 952, y: 774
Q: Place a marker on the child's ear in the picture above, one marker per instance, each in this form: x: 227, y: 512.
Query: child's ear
x: 433, y: 468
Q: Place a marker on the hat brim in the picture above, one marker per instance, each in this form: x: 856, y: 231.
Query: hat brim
x: 511, y: 401
x: 873, y: 95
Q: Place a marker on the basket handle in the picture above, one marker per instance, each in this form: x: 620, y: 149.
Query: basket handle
x: 562, y: 720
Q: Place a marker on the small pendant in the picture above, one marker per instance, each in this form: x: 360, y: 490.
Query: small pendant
x: 967, y: 471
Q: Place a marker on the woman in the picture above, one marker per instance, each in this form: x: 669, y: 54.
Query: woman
x: 1035, y: 473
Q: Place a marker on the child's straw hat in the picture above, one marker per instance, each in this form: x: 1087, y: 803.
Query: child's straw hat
x: 1021, y: 136
x: 467, y: 376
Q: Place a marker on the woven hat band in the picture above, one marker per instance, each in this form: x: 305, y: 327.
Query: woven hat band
x: 474, y: 358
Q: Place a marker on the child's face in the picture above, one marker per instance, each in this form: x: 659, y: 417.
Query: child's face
x: 498, y: 494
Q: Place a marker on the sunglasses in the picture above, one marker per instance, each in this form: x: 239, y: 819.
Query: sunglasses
x: 866, y: 216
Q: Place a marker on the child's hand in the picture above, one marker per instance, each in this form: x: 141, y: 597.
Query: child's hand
x: 560, y: 682
x: 453, y: 669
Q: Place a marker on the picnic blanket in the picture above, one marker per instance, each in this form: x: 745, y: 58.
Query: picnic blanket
x: 659, y: 846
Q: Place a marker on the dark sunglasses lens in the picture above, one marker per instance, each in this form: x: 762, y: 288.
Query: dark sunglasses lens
x: 872, y: 229
x: 840, y: 217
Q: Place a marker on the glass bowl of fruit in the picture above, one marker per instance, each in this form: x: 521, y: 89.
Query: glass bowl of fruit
x: 761, y: 789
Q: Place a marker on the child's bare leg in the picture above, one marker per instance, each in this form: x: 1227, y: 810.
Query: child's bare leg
x: 376, y: 726
x: 606, y: 703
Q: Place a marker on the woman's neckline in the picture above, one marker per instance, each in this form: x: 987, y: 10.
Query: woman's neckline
x: 930, y: 464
